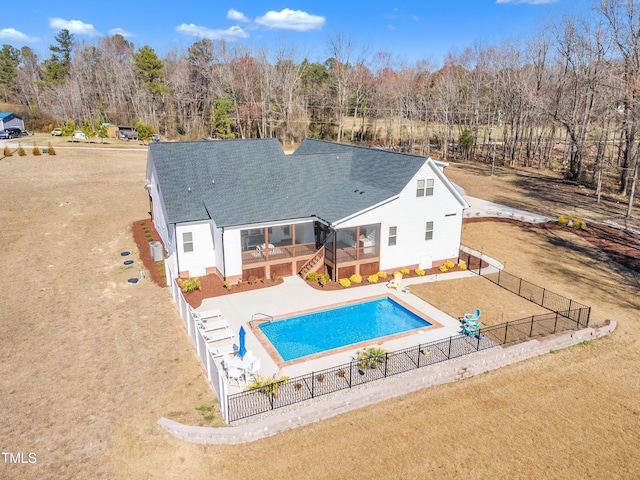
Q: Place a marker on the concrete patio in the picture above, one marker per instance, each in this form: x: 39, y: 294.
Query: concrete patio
x: 294, y: 295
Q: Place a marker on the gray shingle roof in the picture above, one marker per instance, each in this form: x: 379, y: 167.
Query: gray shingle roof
x: 239, y: 182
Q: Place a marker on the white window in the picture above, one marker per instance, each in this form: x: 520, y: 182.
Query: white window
x: 428, y: 233
x: 393, y: 233
x: 425, y: 188
x: 187, y: 242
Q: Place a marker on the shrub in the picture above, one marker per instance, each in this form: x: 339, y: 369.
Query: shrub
x: 189, y: 284
x: 345, y: 282
x: 355, y: 278
x: 270, y: 385
x: 21, y: 151
x: 312, y: 276
x: 7, y: 151
x: 449, y: 264
x: 275, y: 277
x: 51, y: 150
x: 563, y: 220
x: 462, y: 266
x: 419, y: 272
x: 323, y: 279
x: 443, y: 268
x: 404, y: 271
x: 227, y: 284
x: 373, y: 278
x: 382, y: 274
x: 579, y: 224
x: 36, y: 150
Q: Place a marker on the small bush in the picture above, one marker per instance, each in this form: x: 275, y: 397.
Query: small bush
x: 275, y: 277
x: 7, y: 151
x: 188, y: 285
x: 449, y: 264
x: 382, y: 274
x: 345, y: 282
x: 252, y: 279
x: 355, y: 278
x: 323, y: 279
x: 462, y: 266
x: 51, y: 150
x: 404, y: 271
x: 373, y: 278
x: 227, y: 284
x: 563, y: 220
x: 36, y: 151
x: 443, y: 268
x: 579, y: 224
x: 419, y: 272
x: 21, y: 151
x: 312, y: 276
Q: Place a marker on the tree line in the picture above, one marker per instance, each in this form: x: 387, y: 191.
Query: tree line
x: 568, y: 95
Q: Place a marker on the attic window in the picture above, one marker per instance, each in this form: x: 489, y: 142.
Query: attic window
x: 425, y: 188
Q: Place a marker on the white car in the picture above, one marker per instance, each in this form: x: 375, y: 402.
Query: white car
x: 78, y: 135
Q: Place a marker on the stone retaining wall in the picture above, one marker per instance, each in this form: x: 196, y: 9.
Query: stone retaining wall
x: 358, y: 397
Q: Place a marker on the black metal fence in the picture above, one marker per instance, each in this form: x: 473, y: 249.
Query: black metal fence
x: 348, y: 375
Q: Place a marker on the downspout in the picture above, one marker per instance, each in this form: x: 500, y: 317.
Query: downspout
x: 175, y: 239
x: 224, y: 260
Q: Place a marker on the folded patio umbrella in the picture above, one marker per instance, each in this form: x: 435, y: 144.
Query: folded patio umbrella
x: 242, y: 350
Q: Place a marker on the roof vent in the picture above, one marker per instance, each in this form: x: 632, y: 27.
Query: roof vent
x: 189, y: 189
x: 361, y: 192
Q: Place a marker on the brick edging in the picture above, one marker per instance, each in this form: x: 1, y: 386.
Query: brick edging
x: 445, y: 372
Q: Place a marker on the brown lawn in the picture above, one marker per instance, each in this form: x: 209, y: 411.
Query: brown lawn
x: 89, y: 362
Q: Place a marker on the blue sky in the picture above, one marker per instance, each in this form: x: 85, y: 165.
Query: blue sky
x: 409, y: 30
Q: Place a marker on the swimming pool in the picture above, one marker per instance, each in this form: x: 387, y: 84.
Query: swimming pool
x: 324, y: 330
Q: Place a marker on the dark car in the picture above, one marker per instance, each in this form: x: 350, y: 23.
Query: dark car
x: 127, y: 133
x: 10, y: 132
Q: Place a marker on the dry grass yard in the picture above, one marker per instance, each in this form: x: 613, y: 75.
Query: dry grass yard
x: 90, y: 362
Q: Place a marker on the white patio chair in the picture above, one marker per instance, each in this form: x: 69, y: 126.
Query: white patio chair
x: 213, y: 313
x: 218, y: 335
x: 215, y: 325
x: 254, y: 368
x: 234, y: 374
x: 222, y: 350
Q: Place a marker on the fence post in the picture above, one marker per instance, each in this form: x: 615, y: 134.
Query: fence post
x: 520, y: 288
x: 313, y: 384
x: 480, y: 266
x: 506, y: 327
x: 588, y: 316
x: 555, y: 325
x: 350, y: 374
x: 499, y: 272
x: 386, y: 360
x: 449, y: 354
x: 543, y: 292
x: 531, y: 329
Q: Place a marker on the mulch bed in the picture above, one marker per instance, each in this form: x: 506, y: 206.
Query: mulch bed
x: 621, y: 246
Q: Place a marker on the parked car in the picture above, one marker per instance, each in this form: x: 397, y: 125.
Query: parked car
x: 127, y: 133
x: 155, y: 137
x: 10, y: 132
x: 56, y: 132
x: 26, y: 133
x: 78, y: 135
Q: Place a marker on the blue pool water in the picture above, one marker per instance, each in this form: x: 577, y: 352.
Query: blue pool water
x: 316, y: 332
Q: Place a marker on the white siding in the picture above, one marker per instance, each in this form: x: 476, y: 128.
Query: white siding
x: 159, y: 214
x: 203, y: 255
x: 410, y: 214
x: 232, y: 252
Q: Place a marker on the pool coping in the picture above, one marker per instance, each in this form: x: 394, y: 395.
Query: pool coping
x: 275, y: 355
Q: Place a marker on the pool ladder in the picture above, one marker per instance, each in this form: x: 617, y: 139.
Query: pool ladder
x: 254, y: 322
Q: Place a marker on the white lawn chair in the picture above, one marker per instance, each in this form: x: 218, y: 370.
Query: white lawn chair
x: 215, y: 325
x: 213, y: 313
x: 395, y: 282
x: 217, y: 335
x: 222, y: 350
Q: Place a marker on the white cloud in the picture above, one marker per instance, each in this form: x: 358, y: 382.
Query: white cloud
x: 289, y: 19
x: 233, y: 14
x: 120, y: 31
x: 391, y: 27
x: 230, y: 34
x: 74, y: 26
x: 531, y: 2
x: 13, y: 34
